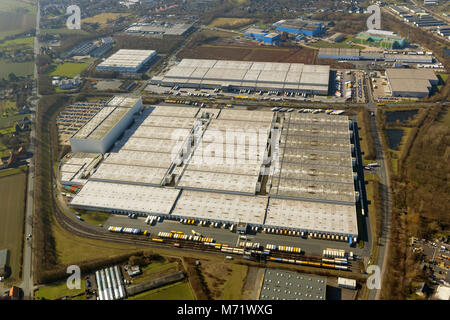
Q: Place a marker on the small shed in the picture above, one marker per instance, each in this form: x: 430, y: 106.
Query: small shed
x: 347, y: 283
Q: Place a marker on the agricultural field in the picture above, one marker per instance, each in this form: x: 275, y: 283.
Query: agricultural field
x: 230, y: 23
x: 16, y: 16
x: 19, y: 68
x: 175, y: 291
x: 58, y: 290
x: 104, y: 18
x: 69, y: 69
x: 10, y: 48
x: 12, y: 199
x: 260, y: 54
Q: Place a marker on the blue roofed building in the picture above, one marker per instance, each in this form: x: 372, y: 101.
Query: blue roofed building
x: 262, y: 35
x: 272, y: 38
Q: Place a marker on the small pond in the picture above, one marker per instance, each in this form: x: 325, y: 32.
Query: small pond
x: 394, y: 138
x: 403, y: 115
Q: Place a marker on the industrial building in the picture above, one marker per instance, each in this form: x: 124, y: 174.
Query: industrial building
x: 289, y: 171
x: 264, y: 76
x: 161, y: 27
x: 100, y: 132
x: 289, y: 285
x: 339, y: 53
x: 261, y: 35
x: 356, y: 55
x: 297, y: 27
x: 413, y: 83
x: 337, y: 37
x: 127, y: 61
x: 381, y: 38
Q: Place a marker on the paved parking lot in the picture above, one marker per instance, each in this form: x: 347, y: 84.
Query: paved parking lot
x: 245, y: 95
x: 224, y: 236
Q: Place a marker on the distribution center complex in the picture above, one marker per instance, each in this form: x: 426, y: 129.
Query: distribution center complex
x: 127, y: 61
x: 263, y: 76
x: 289, y: 171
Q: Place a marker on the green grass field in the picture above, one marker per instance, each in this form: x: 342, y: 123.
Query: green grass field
x: 95, y: 217
x: 18, y: 43
x: 69, y: 69
x: 12, y: 200
x: 175, y: 291
x: 72, y: 249
x: 16, y: 16
x: 232, y: 289
x: 58, y: 290
x: 8, y: 122
x: 155, y: 269
x: 103, y: 18
x: 19, y: 68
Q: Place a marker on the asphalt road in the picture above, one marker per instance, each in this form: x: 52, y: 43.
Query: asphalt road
x: 27, y: 284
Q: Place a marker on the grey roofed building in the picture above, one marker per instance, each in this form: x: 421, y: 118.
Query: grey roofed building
x: 264, y: 76
x: 411, y: 82
x: 289, y: 285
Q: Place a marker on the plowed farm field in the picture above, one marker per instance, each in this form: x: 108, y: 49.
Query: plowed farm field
x: 243, y: 53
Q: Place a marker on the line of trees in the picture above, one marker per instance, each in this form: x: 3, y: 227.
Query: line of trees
x: 45, y: 257
x: 420, y: 201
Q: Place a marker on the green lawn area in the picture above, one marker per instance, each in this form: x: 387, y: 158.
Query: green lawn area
x: 69, y: 69
x: 18, y: 68
x: 155, y: 269
x: 58, y: 290
x: 342, y: 44
x: 95, y: 217
x: 443, y: 76
x: 12, y: 208
x: 175, y: 291
x: 232, y: 289
x: 19, y: 42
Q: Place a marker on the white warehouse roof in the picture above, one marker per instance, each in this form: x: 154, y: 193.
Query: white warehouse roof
x: 249, y: 74
x: 127, y: 58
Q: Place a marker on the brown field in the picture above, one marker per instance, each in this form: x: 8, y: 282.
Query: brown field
x: 12, y: 200
x: 243, y: 53
x: 230, y: 22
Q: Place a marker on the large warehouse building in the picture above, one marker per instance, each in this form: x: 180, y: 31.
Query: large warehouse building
x: 264, y: 76
x: 100, y: 132
x: 290, y: 171
x: 297, y: 27
x: 413, y: 83
x: 127, y: 61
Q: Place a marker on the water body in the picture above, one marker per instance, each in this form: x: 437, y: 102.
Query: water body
x: 402, y: 116
x: 394, y: 138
